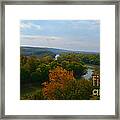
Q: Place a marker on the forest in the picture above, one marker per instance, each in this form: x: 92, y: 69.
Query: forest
x: 45, y: 77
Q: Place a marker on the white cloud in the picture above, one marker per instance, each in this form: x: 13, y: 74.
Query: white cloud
x: 85, y: 24
x: 58, y: 42
x: 40, y: 37
x: 41, y: 41
x: 30, y: 25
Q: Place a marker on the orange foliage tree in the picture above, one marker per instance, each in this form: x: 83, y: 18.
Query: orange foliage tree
x: 58, y: 77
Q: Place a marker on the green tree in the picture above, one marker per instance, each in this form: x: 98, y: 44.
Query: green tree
x: 77, y: 68
x: 46, y: 59
x: 33, y: 63
x: 41, y: 73
x: 54, y: 64
x: 78, y: 90
x: 23, y: 60
x: 25, y: 73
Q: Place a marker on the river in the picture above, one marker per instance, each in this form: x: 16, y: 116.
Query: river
x: 56, y: 56
x: 89, y: 73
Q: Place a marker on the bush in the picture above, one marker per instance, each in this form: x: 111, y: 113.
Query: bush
x: 78, y: 90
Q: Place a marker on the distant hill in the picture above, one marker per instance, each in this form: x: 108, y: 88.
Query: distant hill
x: 28, y: 51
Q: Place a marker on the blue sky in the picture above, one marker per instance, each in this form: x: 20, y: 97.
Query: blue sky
x: 80, y: 35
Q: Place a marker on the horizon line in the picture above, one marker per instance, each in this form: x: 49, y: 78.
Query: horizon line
x: 58, y: 48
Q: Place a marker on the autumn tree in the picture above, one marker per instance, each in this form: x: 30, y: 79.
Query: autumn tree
x: 63, y: 86
x: 58, y: 77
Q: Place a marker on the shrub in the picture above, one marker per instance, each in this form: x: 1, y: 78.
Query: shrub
x: 78, y: 90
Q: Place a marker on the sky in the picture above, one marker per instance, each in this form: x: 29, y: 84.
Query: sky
x: 78, y: 35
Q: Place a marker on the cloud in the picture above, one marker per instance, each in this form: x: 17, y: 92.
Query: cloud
x: 85, y: 24
x: 66, y: 34
x: 30, y: 25
x: 58, y: 42
x: 41, y: 41
x: 40, y: 37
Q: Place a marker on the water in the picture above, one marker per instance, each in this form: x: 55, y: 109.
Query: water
x: 89, y: 73
x: 56, y: 56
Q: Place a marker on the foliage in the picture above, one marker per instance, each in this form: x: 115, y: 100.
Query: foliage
x: 37, y: 95
x: 77, y: 68
x: 33, y: 70
x: 59, y: 79
x: 24, y: 74
x: 54, y: 64
x: 41, y: 73
x: 59, y: 74
x: 78, y: 90
x: 23, y: 60
x: 62, y: 85
x: 70, y: 90
x: 33, y: 63
x: 46, y: 59
x: 93, y: 59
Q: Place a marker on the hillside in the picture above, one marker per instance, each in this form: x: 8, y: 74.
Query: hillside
x: 28, y: 51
